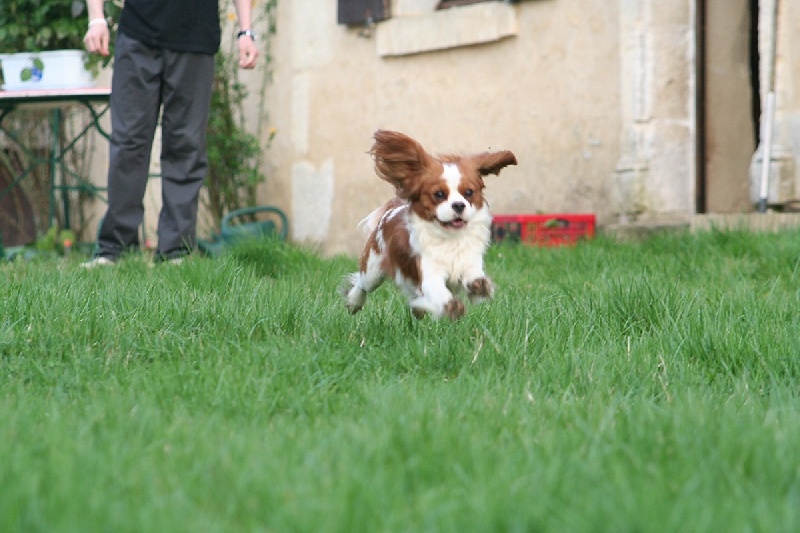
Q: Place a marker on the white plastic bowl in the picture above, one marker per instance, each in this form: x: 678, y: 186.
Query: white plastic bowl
x: 59, y: 69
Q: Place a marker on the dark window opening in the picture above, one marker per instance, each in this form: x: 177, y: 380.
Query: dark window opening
x: 362, y: 12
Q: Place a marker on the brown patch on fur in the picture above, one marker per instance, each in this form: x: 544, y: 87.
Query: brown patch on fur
x: 479, y: 288
x: 396, y: 243
x: 492, y: 162
x: 425, y: 201
x: 371, y: 245
x: 399, y: 159
x: 398, y: 248
x: 454, y: 309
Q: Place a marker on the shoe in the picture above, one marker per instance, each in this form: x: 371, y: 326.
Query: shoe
x: 172, y: 261
x: 99, y: 261
x: 172, y: 257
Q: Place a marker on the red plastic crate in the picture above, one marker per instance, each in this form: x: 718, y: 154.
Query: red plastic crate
x: 555, y: 229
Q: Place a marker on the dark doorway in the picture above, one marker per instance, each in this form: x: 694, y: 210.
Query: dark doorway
x: 728, y: 104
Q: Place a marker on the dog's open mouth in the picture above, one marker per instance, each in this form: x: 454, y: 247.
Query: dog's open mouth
x: 456, y: 223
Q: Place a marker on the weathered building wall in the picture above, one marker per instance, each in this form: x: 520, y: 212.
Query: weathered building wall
x: 654, y: 176
x: 547, y: 88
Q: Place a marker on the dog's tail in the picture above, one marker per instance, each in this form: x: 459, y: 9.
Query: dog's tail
x: 389, y: 209
x: 370, y: 222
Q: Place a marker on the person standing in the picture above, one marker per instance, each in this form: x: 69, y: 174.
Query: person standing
x: 163, y: 63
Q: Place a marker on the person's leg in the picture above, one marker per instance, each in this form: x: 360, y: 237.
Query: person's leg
x: 188, y: 83
x: 135, y: 101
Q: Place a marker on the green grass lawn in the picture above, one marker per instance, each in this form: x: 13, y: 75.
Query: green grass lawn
x: 649, y: 387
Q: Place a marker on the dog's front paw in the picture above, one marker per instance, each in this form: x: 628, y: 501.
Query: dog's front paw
x: 418, y: 313
x: 480, y: 290
x: 454, y: 309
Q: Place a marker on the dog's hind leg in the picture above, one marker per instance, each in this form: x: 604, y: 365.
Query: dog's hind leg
x: 354, y: 295
x: 357, y: 285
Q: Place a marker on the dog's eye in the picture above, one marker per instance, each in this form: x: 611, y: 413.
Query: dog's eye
x: 439, y: 195
x: 468, y: 193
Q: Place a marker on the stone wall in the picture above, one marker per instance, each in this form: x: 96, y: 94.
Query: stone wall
x: 541, y: 78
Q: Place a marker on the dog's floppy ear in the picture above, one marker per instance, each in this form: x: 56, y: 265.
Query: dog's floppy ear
x: 398, y: 159
x: 493, y: 162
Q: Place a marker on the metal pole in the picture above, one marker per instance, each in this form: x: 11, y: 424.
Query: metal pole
x: 55, y: 128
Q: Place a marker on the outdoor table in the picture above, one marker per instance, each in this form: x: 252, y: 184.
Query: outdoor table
x: 94, y: 99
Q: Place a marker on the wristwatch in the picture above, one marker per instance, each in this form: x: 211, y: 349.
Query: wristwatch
x: 249, y: 33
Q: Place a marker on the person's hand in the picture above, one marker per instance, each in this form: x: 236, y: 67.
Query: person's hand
x: 248, y: 52
x: 96, y: 39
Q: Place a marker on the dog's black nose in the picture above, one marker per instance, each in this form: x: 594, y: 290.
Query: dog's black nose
x: 458, y: 207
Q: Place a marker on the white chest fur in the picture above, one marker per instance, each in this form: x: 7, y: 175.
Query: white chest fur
x: 453, y: 254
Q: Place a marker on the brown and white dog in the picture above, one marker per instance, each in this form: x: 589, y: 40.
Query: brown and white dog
x: 430, y: 238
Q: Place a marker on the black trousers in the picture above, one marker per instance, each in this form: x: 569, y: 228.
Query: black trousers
x: 147, y: 81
